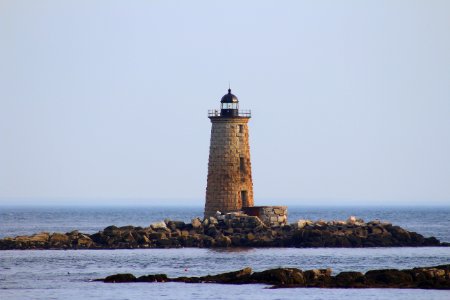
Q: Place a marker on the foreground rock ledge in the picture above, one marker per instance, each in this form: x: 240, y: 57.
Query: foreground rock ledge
x: 418, y: 278
x: 230, y: 231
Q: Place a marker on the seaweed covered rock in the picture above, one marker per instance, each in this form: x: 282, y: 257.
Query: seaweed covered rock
x: 120, y: 278
x: 422, y: 278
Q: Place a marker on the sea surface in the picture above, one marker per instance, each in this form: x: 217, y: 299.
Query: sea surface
x: 60, y: 274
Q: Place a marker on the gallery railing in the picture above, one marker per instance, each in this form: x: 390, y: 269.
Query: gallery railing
x: 246, y: 113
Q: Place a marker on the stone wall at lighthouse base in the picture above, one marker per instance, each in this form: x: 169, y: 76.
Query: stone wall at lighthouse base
x: 269, y: 215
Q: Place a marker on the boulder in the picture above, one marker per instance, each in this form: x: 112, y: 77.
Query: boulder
x: 349, y: 279
x: 164, y: 242
x: 153, y: 278
x: 127, y: 228
x: 280, y: 276
x: 196, y: 223
x: 158, y: 225
x: 222, y: 241
x: 387, y: 277
x: 157, y: 235
x: 117, y: 278
x: 207, y: 241
x: 213, y: 221
x: 84, y: 241
x: 376, y: 230
x: 321, y: 223
x: 315, y: 274
x: 41, y: 237
x: 230, y: 277
x: 212, y: 231
x: 351, y: 220
x: 400, y: 234
x: 237, y: 241
x: 175, y: 225
x: 300, y: 224
x: 110, y: 230
x: 175, y: 233
x: 250, y: 236
x: 338, y: 223
x: 129, y: 237
x: 145, y: 240
x: 58, y: 240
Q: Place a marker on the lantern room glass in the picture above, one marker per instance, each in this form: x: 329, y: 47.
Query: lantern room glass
x: 230, y: 106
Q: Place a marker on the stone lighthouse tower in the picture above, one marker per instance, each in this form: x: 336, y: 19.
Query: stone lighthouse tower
x: 229, y: 185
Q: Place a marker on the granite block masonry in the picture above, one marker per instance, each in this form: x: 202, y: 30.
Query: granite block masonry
x: 269, y: 215
x: 229, y: 183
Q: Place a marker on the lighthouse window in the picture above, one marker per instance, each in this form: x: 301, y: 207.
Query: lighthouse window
x: 242, y: 164
x: 241, y: 128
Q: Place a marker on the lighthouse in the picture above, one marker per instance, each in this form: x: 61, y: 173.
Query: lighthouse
x: 229, y: 184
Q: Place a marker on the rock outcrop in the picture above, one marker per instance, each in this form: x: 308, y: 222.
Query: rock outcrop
x: 230, y: 230
x: 419, y: 278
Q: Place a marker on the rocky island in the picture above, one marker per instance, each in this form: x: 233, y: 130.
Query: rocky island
x: 230, y: 230
x: 437, y: 277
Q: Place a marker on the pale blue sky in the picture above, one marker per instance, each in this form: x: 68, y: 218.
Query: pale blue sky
x: 106, y: 101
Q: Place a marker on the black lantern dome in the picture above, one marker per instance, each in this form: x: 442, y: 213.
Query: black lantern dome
x: 229, y: 98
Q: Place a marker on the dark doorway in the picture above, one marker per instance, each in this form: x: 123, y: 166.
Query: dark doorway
x: 244, y: 198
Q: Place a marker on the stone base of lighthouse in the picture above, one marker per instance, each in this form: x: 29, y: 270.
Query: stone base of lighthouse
x: 229, y: 185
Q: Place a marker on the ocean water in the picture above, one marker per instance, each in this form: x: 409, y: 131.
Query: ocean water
x: 59, y: 274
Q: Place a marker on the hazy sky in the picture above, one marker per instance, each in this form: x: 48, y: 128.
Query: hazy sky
x: 106, y: 101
